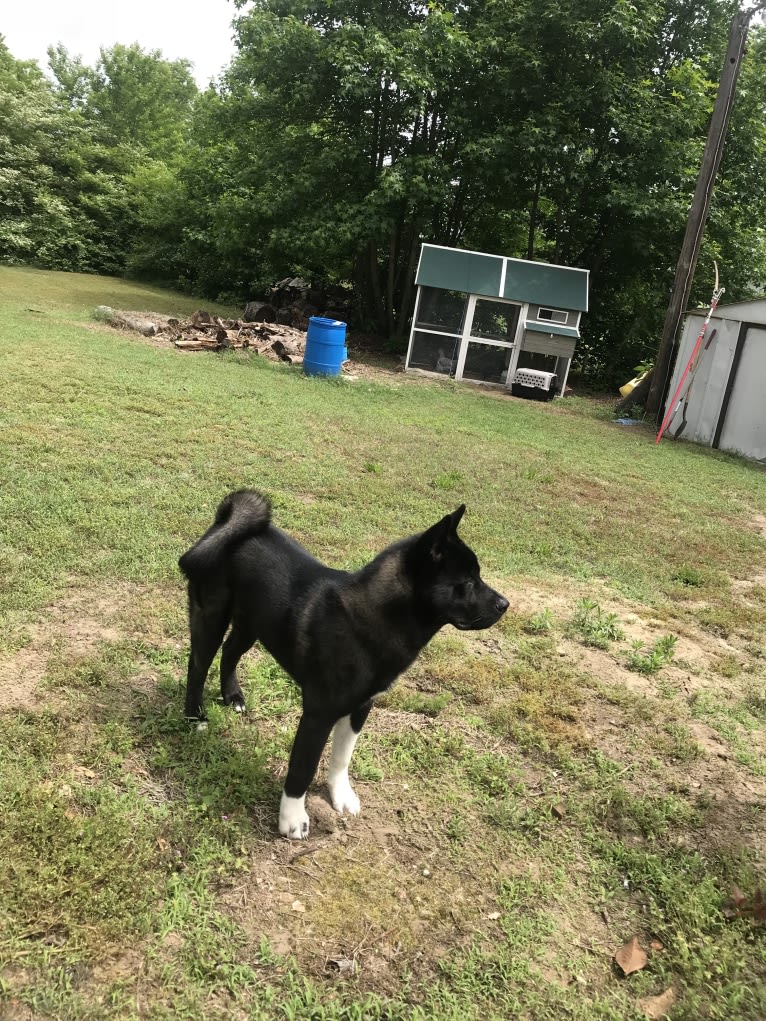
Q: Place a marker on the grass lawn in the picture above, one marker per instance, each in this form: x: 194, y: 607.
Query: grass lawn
x: 533, y: 796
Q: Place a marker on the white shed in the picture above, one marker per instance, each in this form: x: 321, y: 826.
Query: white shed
x: 724, y: 406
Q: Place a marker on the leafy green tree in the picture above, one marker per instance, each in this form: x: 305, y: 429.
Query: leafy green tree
x: 130, y: 117
x: 343, y: 156
x: 35, y: 223
x: 140, y: 99
x: 611, y: 103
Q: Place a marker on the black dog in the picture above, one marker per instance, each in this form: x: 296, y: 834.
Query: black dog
x: 344, y: 637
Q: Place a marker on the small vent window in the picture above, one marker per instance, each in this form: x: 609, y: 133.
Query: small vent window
x: 552, y: 315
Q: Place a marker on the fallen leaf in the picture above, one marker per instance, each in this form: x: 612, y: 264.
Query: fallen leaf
x: 631, y: 957
x: 741, y: 906
x: 656, y: 1007
x: 493, y: 916
x: 758, y: 906
x: 558, y: 811
x: 298, y: 905
x: 737, y: 896
x: 656, y: 946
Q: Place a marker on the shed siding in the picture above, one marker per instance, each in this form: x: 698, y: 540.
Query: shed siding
x: 709, y: 381
x: 714, y: 377
x: 745, y: 311
x: 744, y: 431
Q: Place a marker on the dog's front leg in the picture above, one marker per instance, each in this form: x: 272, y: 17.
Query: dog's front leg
x: 344, y: 740
x: 310, y: 739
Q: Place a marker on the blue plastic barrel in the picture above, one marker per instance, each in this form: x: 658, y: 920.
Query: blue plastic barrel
x: 325, y: 347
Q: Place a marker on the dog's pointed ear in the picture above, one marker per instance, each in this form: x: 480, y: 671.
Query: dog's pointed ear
x: 435, y: 539
x: 455, y: 517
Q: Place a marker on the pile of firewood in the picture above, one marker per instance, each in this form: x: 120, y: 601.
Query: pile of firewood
x: 211, y: 333
x: 292, y: 302
x: 204, y: 332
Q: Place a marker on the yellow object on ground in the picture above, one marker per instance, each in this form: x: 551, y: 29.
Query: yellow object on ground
x: 630, y: 386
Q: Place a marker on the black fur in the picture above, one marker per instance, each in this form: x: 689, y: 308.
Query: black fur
x: 343, y: 636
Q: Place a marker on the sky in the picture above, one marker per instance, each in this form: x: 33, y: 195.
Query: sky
x: 198, y: 30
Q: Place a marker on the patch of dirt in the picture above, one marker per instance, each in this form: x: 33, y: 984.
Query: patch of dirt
x: 730, y: 798
x: 696, y: 651
x: 306, y: 897
x: 743, y: 587
x: 127, y: 965
x: 20, y: 676
x: 14, y: 1010
x: 78, y: 621
x: 758, y: 521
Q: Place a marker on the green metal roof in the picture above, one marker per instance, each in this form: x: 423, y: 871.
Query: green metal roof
x: 559, y: 331
x: 540, y: 283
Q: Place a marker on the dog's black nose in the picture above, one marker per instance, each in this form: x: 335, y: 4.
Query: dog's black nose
x: 501, y: 605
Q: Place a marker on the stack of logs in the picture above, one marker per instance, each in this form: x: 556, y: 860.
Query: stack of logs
x: 211, y: 333
x: 204, y: 332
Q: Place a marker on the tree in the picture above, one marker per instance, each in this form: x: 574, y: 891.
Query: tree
x: 339, y: 141
x: 139, y: 99
x: 35, y: 223
x: 129, y: 117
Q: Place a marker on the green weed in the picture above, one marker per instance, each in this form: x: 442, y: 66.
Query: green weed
x: 540, y: 623
x: 449, y: 480
x: 420, y: 701
x: 594, y: 626
x: 689, y: 576
x: 651, y: 661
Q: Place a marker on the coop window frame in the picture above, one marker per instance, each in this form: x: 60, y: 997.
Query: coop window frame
x: 554, y: 313
x: 465, y: 338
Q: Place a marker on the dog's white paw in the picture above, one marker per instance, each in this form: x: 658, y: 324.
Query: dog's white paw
x: 343, y: 797
x: 293, y: 818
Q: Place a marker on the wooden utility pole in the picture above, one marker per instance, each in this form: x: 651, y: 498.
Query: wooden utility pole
x: 703, y: 194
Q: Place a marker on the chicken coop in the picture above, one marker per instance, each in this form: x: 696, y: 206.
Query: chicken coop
x: 498, y: 321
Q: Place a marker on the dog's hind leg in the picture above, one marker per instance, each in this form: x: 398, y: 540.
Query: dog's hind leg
x: 207, y: 626
x: 344, y: 740
x: 310, y: 739
x: 234, y: 648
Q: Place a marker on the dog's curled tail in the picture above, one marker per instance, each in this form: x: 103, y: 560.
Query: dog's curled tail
x: 240, y: 515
